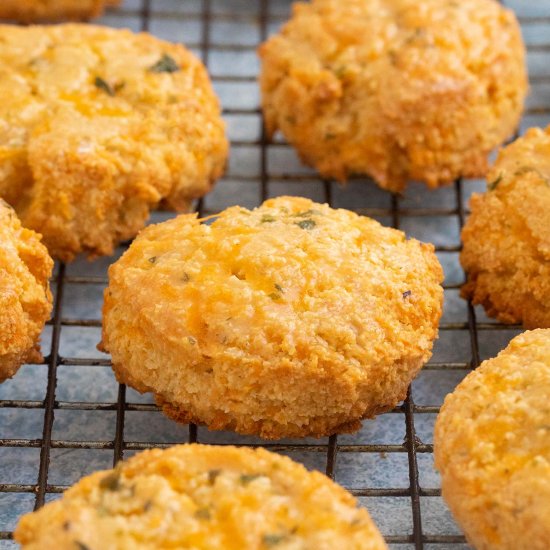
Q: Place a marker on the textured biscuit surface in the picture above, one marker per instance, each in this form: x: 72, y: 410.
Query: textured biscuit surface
x: 98, y: 126
x: 492, y: 447
x: 28, y: 11
x: 25, y: 297
x: 506, y: 252
x: 203, y: 498
x: 396, y: 89
x: 292, y: 319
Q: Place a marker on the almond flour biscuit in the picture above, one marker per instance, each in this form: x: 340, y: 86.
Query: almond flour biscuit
x: 29, y: 11
x: 506, y: 252
x: 202, y: 497
x: 492, y: 448
x: 289, y: 320
x: 395, y: 89
x: 98, y: 126
x: 25, y: 297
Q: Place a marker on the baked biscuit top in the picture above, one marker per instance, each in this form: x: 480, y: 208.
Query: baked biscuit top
x: 204, y: 498
x: 98, y: 125
x: 396, y: 89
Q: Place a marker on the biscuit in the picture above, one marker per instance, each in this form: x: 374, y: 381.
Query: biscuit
x: 25, y: 297
x: 492, y: 448
x: 395, y: 89
x: 289, y: 320
x: 506, y: 240
x: 29, y: 11
x: 202, y: 497
x: 97, y: 127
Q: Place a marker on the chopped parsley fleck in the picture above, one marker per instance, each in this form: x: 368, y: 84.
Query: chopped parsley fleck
x: 248, y: 478
x: 104, y: 85
x: 306, y: 224
x: 266, y: 218
x: 152, y: 259
x: 212, y: 475
x: 306, y: 213
x: 203, y: 513
x: 341, y: 71
x: 493, y: 184
x: 81, y: 545
x: 406, y: 294
x: 273, y: 539
x: 274, y: 296
x: 279, y: 287
x: 111, y: 482
x: 165, y: 64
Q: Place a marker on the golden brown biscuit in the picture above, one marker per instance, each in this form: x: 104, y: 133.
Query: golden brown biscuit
x: 29, y: 11
x: 98, y: 126
x: 492, y: 447
x: 293, y: 319
x: 506, y: 252
x: 396, y: 89
x: 25, y: 297
x: 202, y: 497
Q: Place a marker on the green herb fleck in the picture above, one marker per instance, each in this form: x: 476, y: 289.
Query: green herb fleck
x: 165, y: 64
x: 406, y: 294
x: 111, y: 482
x: 329, y: 136
x: 81, y: 545
x: 279, y: 287
x: 273, y: 539
x: 306, y: 213
x: 266, y: 218
x: 274, y: 296
x: 119, y: 86
x: 212, y: 475
x: 152, y: 259
x: 341, y: 71
x: 306, y: 224
x: 527, y: 169
x: 248, y: 478
x: 185, y: 278
x: 103, y: 85
x: 493, y: 184
x: 147, y: 506
x: 203, y: 513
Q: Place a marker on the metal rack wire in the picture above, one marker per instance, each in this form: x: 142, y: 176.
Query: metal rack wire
x: 417, y: 535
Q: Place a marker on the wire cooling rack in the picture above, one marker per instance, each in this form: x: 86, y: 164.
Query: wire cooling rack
x: 66, y: 417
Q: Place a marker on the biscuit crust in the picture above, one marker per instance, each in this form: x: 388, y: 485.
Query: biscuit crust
x: 290, y: 320
x: 506, y: 240
x: 99, y: 126
x: 25, y: 297
x: 205, y: 498
x: 492, y: 448
x: 395, y: 89
x: 33, y: 11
